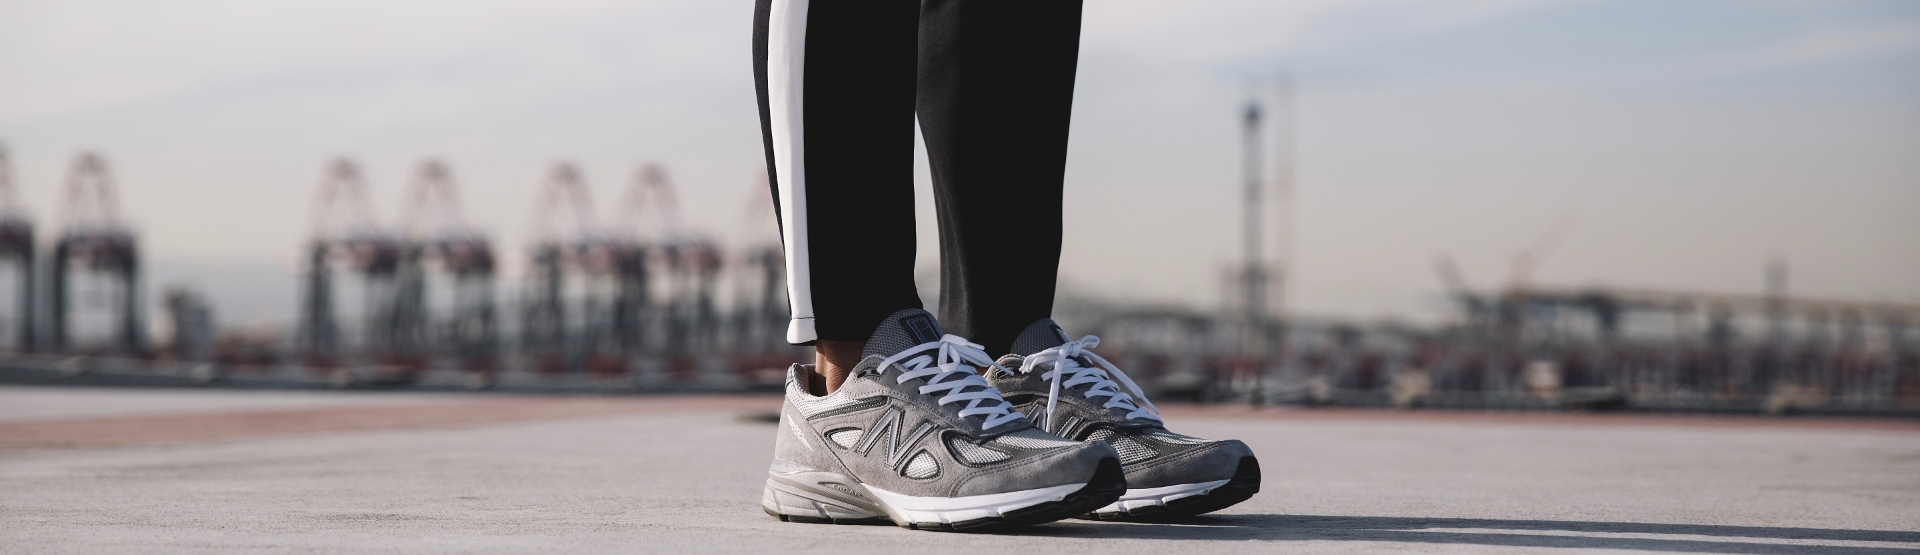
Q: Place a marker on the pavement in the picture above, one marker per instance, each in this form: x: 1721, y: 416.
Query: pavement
x: 98, y: 470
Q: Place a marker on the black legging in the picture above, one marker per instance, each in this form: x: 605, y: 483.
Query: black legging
x: 992, y: 83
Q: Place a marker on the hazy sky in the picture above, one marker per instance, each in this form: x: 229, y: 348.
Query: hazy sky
x: 1687, y: 142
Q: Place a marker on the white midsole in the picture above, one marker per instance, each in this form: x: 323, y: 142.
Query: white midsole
x: 1148, y: 497
x: 955, y: 509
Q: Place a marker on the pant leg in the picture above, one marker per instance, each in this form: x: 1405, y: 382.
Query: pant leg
x: 995, y: 95
x: 836, y: 85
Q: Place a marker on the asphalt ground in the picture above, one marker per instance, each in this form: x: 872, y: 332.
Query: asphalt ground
x: 189, y: 471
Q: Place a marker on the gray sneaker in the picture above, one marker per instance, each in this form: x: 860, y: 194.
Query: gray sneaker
x: 915, y: 437
x: 1168, y: 474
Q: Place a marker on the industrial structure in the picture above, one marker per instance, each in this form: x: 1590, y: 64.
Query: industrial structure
x: 598, y: 301
x: 688, y: 261
x: 639, y: 294
x: 94, y: 279
x: 568, y: 321
x: 348, y: 256
x: 396, y: 302
x: 641, y: 299
x: 1568, y: 348
x: 17, y: 268
x: 1254, y: 289
x: 1524, y: 346
x: 445, y: 310
x: 85, y: 297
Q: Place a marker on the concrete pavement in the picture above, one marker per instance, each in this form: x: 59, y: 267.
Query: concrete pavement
x: 500, y: 474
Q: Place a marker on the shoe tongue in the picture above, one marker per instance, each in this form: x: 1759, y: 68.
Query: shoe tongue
x: 907, y: 329
x: 1039, y: 336
x: 901, y: 331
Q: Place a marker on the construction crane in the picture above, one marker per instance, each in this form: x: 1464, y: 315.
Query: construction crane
x: 1477, y: 307
x: 691, y: 261
x: 94, y: 303
x: 446, y: 276
x: 16, y: 264
x: 1517, y: 302
x: 572, y: 293
x: 645, y: 214
x: 346, y: 238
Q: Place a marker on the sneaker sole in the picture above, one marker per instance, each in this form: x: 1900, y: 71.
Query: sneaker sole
x: 792, y: 499
x: 1181, y: 501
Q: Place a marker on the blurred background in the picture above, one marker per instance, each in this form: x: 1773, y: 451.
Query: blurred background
x: 1645, y: 205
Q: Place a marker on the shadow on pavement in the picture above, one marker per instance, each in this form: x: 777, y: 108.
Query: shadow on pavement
x: 1518, y: 533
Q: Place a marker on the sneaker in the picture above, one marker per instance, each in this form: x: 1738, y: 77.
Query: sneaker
x: 917, y: 438
x: 1168, y: 474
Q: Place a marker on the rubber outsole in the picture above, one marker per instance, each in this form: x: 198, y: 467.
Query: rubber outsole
x: 820, y: 520
x: 1108, y: 483
x: 1245, y: 483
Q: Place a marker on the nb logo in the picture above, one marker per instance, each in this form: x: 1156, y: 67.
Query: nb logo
x: 921, y: 327
x: 888, y: 428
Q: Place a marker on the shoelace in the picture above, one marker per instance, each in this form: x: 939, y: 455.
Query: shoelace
x: 1066, y: 361
x: 940, y: 368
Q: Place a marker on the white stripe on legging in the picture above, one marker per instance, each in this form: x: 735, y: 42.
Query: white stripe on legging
x: 786, y: 72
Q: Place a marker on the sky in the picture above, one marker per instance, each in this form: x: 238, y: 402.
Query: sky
x: 1672, y: 144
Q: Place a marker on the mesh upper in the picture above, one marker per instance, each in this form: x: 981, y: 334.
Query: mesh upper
x: 845, y: 438
x: 921, y: 467
x: 1164, y: 436
x: 1032, y: 438
x: 975, y: 454
x: 1131, y: 450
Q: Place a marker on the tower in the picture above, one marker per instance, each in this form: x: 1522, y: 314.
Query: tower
x: 346, y: 241
x: 17, y: 269
x: 94, y: 298
x: 446, y: 300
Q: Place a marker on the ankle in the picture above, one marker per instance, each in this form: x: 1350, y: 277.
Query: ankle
x: 833, y: 362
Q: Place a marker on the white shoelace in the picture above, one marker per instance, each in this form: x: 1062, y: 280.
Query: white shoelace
x: 1066, y: 359
x: 952, y: 358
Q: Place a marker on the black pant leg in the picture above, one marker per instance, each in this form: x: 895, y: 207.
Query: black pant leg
x: 836, y: 86
x: 995, y: 97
